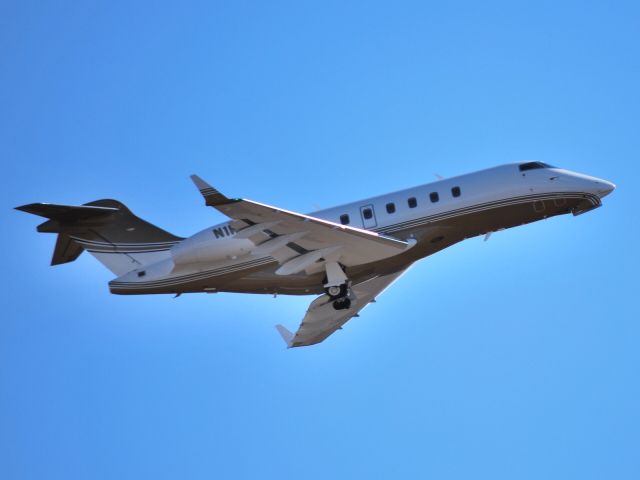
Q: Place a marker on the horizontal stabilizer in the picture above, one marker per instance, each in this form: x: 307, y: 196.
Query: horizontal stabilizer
x: 65, y: 212
x: 105, y: 228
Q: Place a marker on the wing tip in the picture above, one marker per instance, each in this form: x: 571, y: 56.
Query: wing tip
x: 212, y: 196
x: 199, y: 182
x: 286, y: 335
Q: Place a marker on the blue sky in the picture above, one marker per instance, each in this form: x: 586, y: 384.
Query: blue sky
x: 514, y: 358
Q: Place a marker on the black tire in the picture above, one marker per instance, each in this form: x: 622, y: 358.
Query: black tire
x: 342, y: 303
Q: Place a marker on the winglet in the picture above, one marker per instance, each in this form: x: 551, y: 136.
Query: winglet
x: 286, y: 335
x: 212, y: 197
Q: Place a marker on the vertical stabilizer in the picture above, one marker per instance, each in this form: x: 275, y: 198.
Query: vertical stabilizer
x: 105, y: 228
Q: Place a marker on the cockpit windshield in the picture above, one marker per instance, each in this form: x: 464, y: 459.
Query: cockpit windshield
x: 533, y: 165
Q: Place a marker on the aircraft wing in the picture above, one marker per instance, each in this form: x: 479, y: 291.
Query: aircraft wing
x: 286, y: 235
x: 322, y: 319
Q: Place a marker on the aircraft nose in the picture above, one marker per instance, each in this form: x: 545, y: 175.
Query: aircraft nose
x: 604, y: 188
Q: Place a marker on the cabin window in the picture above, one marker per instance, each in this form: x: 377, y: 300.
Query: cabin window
x: 344, y: 219
x: 391, y: 208
x: 412, y: 202
x: 434, y: 197
x: 367, y: 213
x: 141, y: 273
x: 455, y: 191
x: 533, y: 166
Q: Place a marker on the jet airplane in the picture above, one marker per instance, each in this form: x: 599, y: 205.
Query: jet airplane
x: 347, y: 254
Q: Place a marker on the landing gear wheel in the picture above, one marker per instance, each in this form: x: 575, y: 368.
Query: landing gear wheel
x: 334, y: 291
x: 337, y: 291
x: 342, y: 303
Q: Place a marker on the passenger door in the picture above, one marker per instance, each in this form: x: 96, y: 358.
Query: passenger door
x: 368, y: 215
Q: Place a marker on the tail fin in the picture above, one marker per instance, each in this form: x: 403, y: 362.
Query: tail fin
x: 105, y: 228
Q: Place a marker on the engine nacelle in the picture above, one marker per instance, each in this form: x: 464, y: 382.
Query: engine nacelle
x: 211, y: 245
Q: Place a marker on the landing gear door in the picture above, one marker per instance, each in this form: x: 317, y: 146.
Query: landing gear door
x: 368, y: 215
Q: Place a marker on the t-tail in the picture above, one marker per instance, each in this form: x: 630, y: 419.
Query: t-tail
x: 108, y: 230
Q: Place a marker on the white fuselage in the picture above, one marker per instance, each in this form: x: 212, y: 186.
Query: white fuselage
x: 401, y: 214
x: 476, y: 188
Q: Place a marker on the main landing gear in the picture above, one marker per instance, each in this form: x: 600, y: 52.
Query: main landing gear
x: 337, y: 286
x: 340, y: 296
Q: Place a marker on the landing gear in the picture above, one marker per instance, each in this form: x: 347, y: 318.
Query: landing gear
x: 342, y: 303
x: 337, y: 291
x: 337, y: 286
x: 340, y: 296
